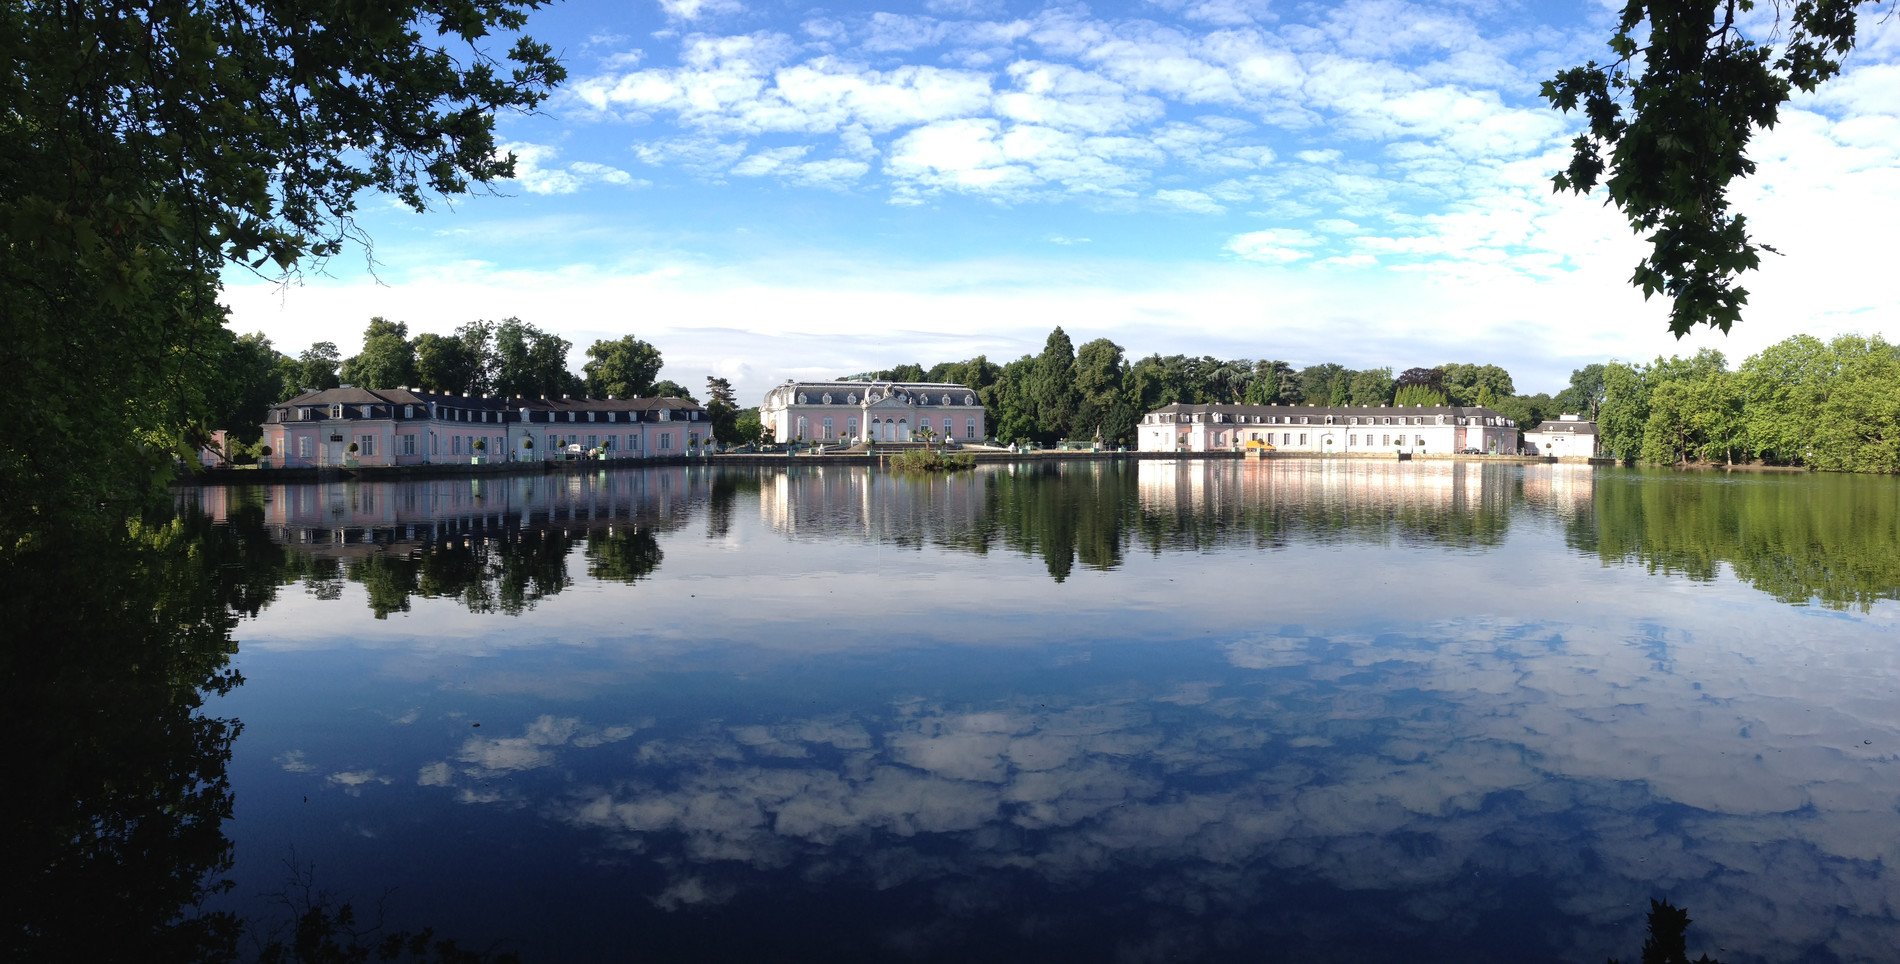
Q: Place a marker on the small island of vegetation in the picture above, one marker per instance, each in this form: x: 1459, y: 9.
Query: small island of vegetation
x: 931, y: 460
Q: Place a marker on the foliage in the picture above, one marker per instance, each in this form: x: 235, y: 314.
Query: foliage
x: 142, y: 150
x: 248, y: 382
x: 1668, y: 941
x: 622, y: 368
x: 669, y: 389
x: 1471, y: 384
x: 1370, y: 387
x: 531, y: 363
x: 748, y: 427
x: 1675, y: 116
x: 119, y: 635
x: 1418, y: 395
x: 931, y: 460
x: 447, y: 363
x: 388, y: 358
x: 1584, y: 396
x: 1052, y: 389
x: 722, y: 408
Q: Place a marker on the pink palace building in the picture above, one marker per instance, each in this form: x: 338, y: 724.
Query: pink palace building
x: 402, y: 426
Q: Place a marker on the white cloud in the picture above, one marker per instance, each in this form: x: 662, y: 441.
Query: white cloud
x: 1193, y: 201
x: 536, y: 173
x: 1273, y: 246
x: 693, y: 9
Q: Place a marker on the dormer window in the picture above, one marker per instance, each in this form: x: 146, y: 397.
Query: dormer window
x: 336, y: 411
x: 590, y: 416
x: 969, y: 400
x: 666, y: 414
x: 946, y: 399
x: 801, y: 398
x: 827, y: 398
x: 851, y: 399
x: 570, y: 416
x: 610, y: 416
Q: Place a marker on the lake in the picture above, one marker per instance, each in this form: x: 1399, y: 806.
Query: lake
x: 1295, y: 709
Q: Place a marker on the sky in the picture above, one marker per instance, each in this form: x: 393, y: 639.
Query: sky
x: 769, y: 190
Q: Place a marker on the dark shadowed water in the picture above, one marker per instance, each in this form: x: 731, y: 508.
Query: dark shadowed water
x: 1293, y: 710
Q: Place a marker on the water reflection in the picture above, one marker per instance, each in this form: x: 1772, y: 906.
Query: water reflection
x: 1834, y: 539
x: 498, y: 545
x: 1291, y: 709
x: 115, y: 814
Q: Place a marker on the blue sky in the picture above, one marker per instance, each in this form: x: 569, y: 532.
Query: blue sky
x: 767, y: 190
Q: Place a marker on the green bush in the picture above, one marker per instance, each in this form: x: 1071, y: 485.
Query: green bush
x: 931, y: 460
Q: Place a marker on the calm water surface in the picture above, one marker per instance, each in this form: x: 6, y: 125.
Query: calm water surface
x: 1301, y: 710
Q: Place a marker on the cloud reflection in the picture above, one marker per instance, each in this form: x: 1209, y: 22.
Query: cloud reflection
x: 1442, y: 767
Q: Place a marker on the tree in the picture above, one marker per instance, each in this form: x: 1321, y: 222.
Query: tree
x: 1625, y: 410
x: 1419, y: 386
x: 1585, y: 394
x: 1273, y: 382
x: 531, y: 363
x: 1052, y: 388
x: 1009, y: 404
x: 623, y: 368
x: 1370, y: 387
x: 1675, y: 117
x: 317, y: 367
x: 669, y: 389
x: 140, y: 151
x: 1783, y: 391
x: 1325, y: 384
x: 246, y: 385
x: 446, y: 363
x: 723, y: 409
x: 1466, y: 384
x: 747, y: 426
x: 387, y: 359
x: 1102, y: 401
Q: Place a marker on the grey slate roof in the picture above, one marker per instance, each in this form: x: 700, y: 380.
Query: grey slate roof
x: 1569, y: 427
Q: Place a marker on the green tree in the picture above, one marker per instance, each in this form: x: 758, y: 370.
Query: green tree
x: 531, y: 363
x: 1467, y: 384
x: 1585, y: 394
x: 1102, y: 400
x: 1370, y: 387
x: 1326, y: 384
x: 143, y: 149
x: 1783, y: 390
x: 387, y: 359
x: 1273, y: 382
x: 1010, y: 407
x: 446, y: 363
x: 1674, y: 112
x: 669, y: 389
x: 1154, y: 381
x: 317, y: 367
x: 748, y: 427
x: 246, y: 385
x: 623, y: 368
x: 1859, y: 425
x: 723, y: 409
x: 1625, y: 410
x: 1052, y: 388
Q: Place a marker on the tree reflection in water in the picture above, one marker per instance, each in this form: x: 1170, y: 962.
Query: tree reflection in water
x: 117, y: 637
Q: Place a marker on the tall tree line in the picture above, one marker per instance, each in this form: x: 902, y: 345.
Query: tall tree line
x: 1096, y: 391
x: 508, y: 358
x: 1831, y: 405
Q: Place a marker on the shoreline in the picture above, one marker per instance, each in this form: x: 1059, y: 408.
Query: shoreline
x: 376, y: 473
